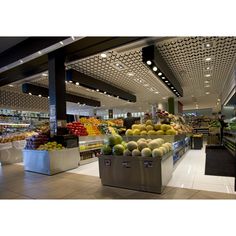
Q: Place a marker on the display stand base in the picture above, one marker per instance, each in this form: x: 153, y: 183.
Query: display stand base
x: 137, y: 173
x: 51, y: 162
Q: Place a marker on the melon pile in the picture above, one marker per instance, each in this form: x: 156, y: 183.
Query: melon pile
x: 147, y: 148
x: 114, y: 146
x: 150, y: 129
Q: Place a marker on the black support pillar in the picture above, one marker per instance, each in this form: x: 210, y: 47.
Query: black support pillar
x: 57, y: 91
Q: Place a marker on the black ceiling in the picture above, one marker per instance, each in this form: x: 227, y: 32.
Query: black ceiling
x: 8, y: 42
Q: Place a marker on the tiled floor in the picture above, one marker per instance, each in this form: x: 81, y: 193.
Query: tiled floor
x: 189, y: 173
x: 17, y: 184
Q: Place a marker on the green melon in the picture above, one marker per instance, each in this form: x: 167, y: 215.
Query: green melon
x: 136, y: 152
x: 118, y: 150
x: 160, y: 140
x: 106, y: 150
x: 164, y: 150
x: 142, y: 145
x: 132, y: 145
x: 157, y: 152
x: 154, y: 144
x: 127, y: 153
x: 146, y: 152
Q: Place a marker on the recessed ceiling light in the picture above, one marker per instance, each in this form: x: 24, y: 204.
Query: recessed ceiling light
x: 208, y: 45
x: 48, y: 97
x: 154, y: 68
x: 172, y: 87
x: 218, y: 100
x: 44, y: 74
x: 156, y: 92
x: 208, y: 59
x: 40, y: 95
x: 207, y: 75
x: 207, y: 93
x: 166, y: 81
x: 149, y: 63
x: 21, y: 61
x: 70, y: 81
x: 130, y: 74
x: 160, y: 74
x: 39, y: 52
x: 105, y: 92
x: 163, y: 77
x: 174, y: 90
x: 77, y: 83
x: 103, y: 55
x: 206, y: 81
x: 61, y: 43
x: 30, y: 93
x: 97, y: 90
x: 11, y: 85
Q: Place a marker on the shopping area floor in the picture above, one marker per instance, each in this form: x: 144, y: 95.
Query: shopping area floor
x: 188, y: 182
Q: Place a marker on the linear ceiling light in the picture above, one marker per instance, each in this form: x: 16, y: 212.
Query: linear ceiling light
x: 155, y: 62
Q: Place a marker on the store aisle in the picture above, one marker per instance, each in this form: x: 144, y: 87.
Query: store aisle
x: 88, y: 169
x: 189, y: 173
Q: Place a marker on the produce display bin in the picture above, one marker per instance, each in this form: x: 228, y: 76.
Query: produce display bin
x: 167, y: 138
x: 51, y: 162
x: 138, y: 173
x: 11, y: 152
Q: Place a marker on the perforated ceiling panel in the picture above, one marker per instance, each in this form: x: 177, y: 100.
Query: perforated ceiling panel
x: 130, y: 74
x: 201, y: 64
x: 185, y: 56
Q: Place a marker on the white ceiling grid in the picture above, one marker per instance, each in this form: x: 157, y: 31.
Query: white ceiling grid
x: 186, y: 58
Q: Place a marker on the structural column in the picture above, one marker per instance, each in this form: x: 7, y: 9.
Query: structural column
x: 57, y: 92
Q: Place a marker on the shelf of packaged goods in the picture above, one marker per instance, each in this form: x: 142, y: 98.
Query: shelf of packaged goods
x: 12, y: 125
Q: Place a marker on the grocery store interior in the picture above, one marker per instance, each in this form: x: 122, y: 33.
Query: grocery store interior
x: 118, y: 117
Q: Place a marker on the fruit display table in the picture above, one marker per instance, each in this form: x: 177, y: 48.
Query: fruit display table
x: 167, y: 138
x: 138, y: 173
x: 51, y: 162
x: 11, y: 152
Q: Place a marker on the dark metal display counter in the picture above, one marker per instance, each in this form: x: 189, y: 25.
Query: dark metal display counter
x: 137, y: 173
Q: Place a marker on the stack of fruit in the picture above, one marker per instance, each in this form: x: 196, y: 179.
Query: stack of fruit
x: 143, y: 147
x: 77, y: 128
x: 151, y: 129
x: 92, y: 130
x: 91, y: 120
x: 51, y: 146
x: 114, y: 145
x: 35, y: 141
